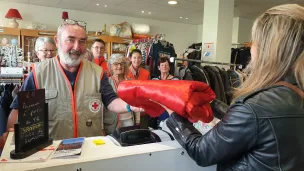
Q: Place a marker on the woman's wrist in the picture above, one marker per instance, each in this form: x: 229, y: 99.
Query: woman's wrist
x: 128, y: 107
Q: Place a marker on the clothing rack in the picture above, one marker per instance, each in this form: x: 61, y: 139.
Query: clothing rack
x: 246, y: 44
x: 206, y: 62
x: 11, y: 78
x: 144, y: 40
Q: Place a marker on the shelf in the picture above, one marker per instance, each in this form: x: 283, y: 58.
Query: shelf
x: 9, y: 31
x: 11, y: 75
x: 114, y: 51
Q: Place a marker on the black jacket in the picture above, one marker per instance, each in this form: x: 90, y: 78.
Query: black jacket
x: 261, y: 131
x: 216, y: 82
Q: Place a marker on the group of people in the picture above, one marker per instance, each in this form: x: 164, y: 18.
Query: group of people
x: 261, y: 130
x: 80, y: 78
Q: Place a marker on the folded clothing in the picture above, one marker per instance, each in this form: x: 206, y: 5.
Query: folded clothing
x: 190, y: 99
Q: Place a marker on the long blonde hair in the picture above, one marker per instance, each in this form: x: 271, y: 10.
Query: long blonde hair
x: 278, y: 35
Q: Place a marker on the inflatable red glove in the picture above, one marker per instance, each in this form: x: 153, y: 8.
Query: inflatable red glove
x: 187, y: 98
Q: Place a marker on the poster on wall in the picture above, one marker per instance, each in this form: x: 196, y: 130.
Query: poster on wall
x: 208, y: 50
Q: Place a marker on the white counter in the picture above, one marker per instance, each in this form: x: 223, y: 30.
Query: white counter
x: 148, y: 157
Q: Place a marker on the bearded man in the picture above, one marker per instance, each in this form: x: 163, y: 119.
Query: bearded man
x: 75, y: 89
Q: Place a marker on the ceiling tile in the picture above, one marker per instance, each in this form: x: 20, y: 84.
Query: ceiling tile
x: 49, y: 3
x: 99, y: 9
x: 195, y: 1
x: 195, y: 7
x: 73, y: 4
x: 108, y: 1
x: 180, y: 4
x: 141, y: 5
x: 161, y: 10
x: 19, y: 1
x: 153, y: 1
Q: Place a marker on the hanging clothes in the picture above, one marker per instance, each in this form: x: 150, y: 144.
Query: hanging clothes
x: 184, y: 73
x: 220, y: 80
x: 227, y: 85
x: 6, y: 98
x: 234, y: 78
x: 143, y: 47
x: 158, y: 50
x: 240, y: 56
x: 199, y: 74
x: 216, y: 83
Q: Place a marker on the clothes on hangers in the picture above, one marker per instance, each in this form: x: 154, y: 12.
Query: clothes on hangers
x: 143, y: 47
x: 157, y: 51
x: 196, y: 55
x: 234, y: 78
x: 6, y: 98
x: 220, y: 80
x: 184, y: 73
x: 241, y: 56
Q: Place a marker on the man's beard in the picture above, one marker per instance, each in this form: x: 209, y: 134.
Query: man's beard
x: 68, y: 60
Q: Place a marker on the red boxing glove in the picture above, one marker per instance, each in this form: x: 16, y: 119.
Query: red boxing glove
x: 187, y: 98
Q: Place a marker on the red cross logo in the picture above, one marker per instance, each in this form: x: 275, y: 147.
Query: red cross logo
x: 95, y: 105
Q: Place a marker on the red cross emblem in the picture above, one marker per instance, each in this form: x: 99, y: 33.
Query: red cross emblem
x: 95, y: 105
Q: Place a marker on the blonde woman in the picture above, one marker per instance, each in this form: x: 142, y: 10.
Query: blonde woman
x: 262, y: 130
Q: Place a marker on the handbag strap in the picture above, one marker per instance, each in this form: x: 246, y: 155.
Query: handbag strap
x: 293, y: 87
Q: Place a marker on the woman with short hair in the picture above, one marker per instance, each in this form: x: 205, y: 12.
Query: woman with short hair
x: 118, y: 68
x: 164, y: 68
x: 45, y: 47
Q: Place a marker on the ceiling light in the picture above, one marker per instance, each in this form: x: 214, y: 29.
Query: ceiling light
x: 97, y: 4
x: 172, y: 2
x: 149, y: 12
x: 106, y: 6
x: 142, y: 11
x: 180, y: 17
x: 186, y: 18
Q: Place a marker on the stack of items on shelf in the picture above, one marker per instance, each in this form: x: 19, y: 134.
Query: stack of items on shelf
x: 126, y: 30
x: 11, y: 56
x: 152, y: 50
x: 119, y: 47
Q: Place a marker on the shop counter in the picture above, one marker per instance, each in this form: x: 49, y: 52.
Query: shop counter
x: 167, y: 156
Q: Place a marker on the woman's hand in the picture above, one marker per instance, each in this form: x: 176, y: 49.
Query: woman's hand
x: 136, y: 109
x: 167, y: 109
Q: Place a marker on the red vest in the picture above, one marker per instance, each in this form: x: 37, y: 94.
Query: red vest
x: 102, y: 63
x: 143, y: 74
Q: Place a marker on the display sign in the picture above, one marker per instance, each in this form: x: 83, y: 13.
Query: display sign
x: 208, y: 50
x: 31, y: 130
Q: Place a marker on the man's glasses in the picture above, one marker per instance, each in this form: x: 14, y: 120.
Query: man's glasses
x: 73, y: 22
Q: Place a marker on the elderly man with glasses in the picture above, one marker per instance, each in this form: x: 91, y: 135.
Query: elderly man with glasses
x: 75, y: 88
x: 45, y: 47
